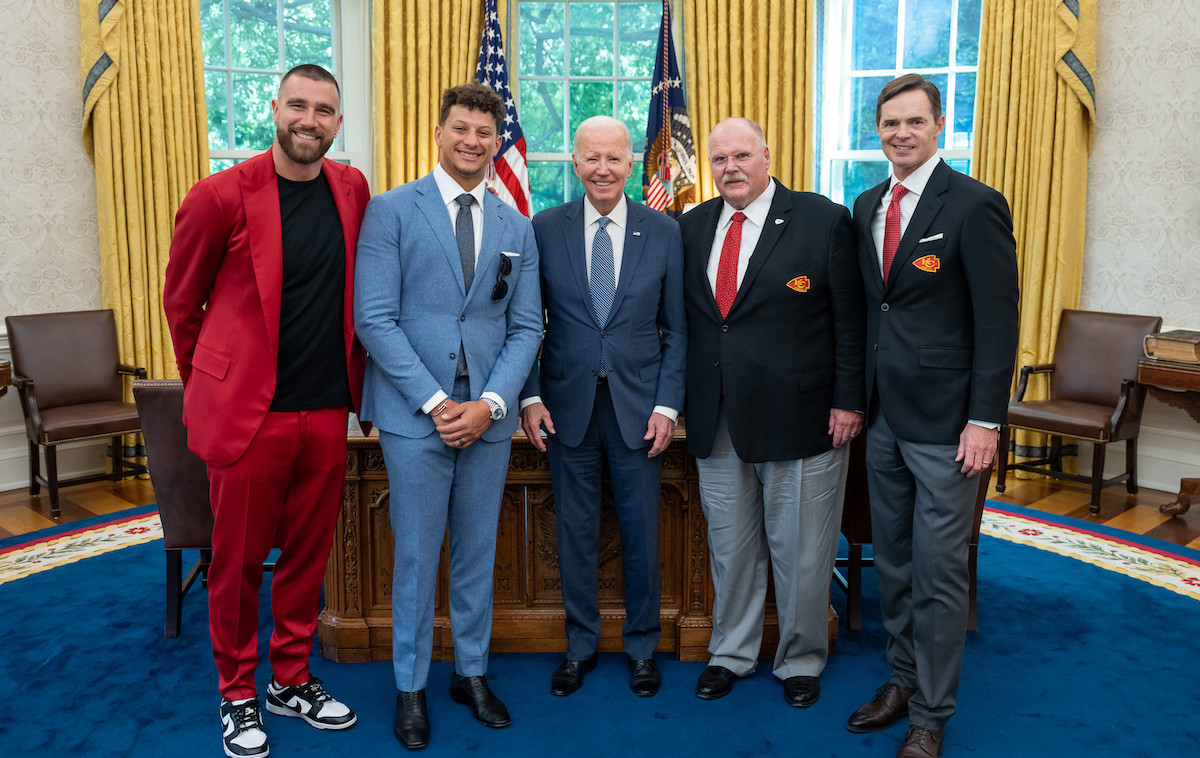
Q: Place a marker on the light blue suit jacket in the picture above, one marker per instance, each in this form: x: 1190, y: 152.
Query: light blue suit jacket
x: 645, y: 336
x: 412, y: 310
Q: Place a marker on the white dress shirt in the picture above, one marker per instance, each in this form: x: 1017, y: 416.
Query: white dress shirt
x: 756, y: 220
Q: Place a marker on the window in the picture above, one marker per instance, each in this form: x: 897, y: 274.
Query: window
x: 249, y: 44
x: 575, y: 60
x: 866, y: 44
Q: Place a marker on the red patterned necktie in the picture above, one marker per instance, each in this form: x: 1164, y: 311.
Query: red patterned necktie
x: 727, y: 267
x: 891, y: 229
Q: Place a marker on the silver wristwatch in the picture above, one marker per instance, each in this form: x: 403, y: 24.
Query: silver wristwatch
x: 497, y: 411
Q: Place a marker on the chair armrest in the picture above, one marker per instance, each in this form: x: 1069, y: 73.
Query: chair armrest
x: 29, y: 405
x: 1128, y: 410
x: 1040, y: 368
x: 134, y: 371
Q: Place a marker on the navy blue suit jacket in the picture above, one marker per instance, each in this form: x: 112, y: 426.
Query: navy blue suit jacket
x: 645, y: 337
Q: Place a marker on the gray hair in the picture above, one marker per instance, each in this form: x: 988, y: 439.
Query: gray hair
x: 600, y: 122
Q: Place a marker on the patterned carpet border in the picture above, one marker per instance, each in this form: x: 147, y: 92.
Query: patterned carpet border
x: 1170, y: 571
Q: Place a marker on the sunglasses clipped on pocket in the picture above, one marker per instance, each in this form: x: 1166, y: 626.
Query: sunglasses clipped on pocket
x: 503, y: 270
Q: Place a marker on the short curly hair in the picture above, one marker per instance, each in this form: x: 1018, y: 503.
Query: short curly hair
x: 473, y: 96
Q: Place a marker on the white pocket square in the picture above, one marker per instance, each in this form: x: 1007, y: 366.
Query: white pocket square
x: 510, y: 255
x: 937, y: 236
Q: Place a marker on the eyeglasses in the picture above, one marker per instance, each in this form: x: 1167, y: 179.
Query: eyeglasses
x: 503, y: 270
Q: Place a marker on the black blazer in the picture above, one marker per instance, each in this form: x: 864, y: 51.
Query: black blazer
x: 942, y: 335
x: 792, y: 346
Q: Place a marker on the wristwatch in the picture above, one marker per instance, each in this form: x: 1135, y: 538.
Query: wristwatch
x: 494, y: 407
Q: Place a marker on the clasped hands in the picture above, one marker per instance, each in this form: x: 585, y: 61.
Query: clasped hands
x: 460, y: 424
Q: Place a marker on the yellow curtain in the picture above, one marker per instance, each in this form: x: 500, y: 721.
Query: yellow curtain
x: 145, y: 128
x: 1034, y: 126
x: 420, y: 48
x: 753, y: 58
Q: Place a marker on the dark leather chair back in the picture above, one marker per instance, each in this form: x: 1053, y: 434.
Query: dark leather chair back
x: 179, y: 475
x: 71, y: 357
x: 1096, y: 352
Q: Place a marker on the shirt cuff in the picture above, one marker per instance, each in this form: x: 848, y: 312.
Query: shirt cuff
x: 434, y: 401
x: 993, y: 425
x: 670, y: 413
x: 530, y: 401
x: 499, y: 401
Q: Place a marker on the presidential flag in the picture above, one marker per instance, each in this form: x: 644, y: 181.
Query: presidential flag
x: 669, y: 164
x: 508, y: 176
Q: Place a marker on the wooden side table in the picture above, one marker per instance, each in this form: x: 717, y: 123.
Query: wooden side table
x: 1177, y: 385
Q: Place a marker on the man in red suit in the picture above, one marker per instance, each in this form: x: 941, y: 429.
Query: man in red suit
x: 259, y: 296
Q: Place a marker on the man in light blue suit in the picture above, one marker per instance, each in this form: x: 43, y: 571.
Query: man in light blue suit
x: 447, y: 304
x: 610, y: 386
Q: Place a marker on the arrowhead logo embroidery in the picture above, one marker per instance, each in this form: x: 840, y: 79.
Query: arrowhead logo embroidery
x: 800, y: 284
x: 928, y: 263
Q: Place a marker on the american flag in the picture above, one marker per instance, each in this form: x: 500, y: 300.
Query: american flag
x: 509, y: 174
x: 669, y: 167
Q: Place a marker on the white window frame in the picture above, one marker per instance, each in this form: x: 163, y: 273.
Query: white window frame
x: 837, y: 73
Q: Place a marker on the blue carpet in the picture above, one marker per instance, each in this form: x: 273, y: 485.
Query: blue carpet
x: 1071, y: 660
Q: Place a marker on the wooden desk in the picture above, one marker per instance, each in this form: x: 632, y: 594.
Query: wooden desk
x: 356, y: 624
x: 5, y: 377
x: 1177, y: 385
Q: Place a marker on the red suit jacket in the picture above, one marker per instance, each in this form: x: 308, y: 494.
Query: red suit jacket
x: 222, y: 295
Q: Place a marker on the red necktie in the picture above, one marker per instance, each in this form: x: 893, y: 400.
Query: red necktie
x: 727, y: 267
x: 891, y: 229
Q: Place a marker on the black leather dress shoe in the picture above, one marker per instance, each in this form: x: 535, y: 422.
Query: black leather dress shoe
x: 889, y: 705
x: 473, y: 691
x: 644, y: 678
x: 412, y: 720
x: 568, y: 677
x: 801, y: 691
x: 714, y: 682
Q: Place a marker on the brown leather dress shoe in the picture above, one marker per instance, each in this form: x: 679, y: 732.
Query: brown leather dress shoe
x: 921, y: 743
x: 889, y: 705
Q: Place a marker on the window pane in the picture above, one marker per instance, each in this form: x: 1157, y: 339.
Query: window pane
x: 212, y: 31
x: 962, y: 165
x: 926, y: 33
x: 252, y: 126
x: 941, y: 81
x: 964, y: 110
x: 308, y: 34
x: 864, y: 91
x: 220, y: 164
x: 547, y: 183
x: 543, y: 49
x: 967, y: 52
x: 542, y: 108
x: 590, y: 99
x: 633, y: 186
x: 254, y: 35
x: 218, y: 110
x: 640, y: 24
x: 875, y: 34
x: 591, y: 39
x: 859, y: 176
x: 633, y: 106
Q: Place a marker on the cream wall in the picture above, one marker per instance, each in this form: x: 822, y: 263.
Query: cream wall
x: 1143, y: 193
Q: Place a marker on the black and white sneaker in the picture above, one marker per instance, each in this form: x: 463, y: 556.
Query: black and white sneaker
x: 310, y: 702
x: 244, y: 736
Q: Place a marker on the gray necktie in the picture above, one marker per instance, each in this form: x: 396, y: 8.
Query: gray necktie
x: 464, y: 234
x: 603, y: 282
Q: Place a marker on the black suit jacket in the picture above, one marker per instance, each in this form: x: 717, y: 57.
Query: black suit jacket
x: 791, y: 347
x: 942, y: 335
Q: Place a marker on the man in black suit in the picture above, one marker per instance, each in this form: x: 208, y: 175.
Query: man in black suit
x: 939, y: 267
x: 774, y: 391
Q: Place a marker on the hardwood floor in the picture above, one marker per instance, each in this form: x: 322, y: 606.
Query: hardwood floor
x: 21, y: 513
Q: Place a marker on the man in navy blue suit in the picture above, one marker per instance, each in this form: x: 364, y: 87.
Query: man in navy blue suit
x: 609, y: 385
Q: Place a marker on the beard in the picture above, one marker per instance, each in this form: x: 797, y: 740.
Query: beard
x: 304, y: 153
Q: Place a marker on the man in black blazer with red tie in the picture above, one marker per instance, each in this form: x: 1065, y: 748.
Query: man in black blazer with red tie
x: 774, y: 391
x: 939, y: 266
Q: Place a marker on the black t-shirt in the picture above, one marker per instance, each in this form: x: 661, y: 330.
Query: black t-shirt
x: 312, y: 357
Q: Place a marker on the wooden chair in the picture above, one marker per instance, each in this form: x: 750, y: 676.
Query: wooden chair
x: 68, y: 375
x: 1094, y: 396
x: 856, y: 527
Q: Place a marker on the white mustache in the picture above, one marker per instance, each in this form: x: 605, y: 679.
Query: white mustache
x: 734, y: 177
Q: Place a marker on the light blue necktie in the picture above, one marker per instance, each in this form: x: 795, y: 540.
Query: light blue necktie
x: 603, y: 281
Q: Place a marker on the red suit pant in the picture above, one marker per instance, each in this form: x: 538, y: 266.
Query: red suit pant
x: 284, y: 491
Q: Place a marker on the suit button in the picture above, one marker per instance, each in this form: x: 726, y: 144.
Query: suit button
x: 593, y: 372
x: 883, y: 307
x: 603, y: 335
x: 453, y: 356
x: 462, y: 317
x: 716, y: 364
x: 724, y: 327
x: 875, y: 346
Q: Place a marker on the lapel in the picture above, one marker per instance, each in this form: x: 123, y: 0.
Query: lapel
x: 576, y: 251
x: 781, y: 209
x: 264, y: 228
x: 488, y: 261
x: 348, y: 215
x: 429, y: 202
x: 635, y: 244
x: 869, y: 202
x: 707, y: 216
x: 927, y: 209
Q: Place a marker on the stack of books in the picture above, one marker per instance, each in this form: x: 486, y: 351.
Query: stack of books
x: 1176, y: 346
